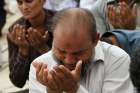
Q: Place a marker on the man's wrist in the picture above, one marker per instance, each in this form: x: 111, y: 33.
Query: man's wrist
x: 53, y: 91
x: 74, y: 89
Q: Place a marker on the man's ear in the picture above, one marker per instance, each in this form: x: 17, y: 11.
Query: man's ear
x: 96, y: 39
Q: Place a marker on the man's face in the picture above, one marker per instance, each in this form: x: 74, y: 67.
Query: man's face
x: 30, y: 8
x: 69, y: 47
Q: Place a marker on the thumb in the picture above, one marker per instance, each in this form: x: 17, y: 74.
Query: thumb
x: 78, y: 67
x: 35, y: 64
x: 45, y: 35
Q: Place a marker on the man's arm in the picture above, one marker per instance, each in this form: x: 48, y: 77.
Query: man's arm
x: 34, y: 85
x: 117, y: 79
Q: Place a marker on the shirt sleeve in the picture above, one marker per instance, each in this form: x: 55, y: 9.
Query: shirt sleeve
x: 82, y: 90
x: 34, y: 85
x: 18, y: 65
x: 117, y: 79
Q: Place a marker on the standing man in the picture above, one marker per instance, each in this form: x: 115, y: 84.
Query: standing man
x: 78, y: 62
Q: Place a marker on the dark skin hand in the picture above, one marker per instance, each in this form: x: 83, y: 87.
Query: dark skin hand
x: 58, y: 79
x: 30, y: 37
x: 38, y: 39
x: 122, y: 16
x: 18, y: 36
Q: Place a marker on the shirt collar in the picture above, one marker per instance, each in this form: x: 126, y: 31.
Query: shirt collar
x: 99, y: 54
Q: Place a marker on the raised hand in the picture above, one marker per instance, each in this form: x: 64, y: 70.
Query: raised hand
x: 58, y: 79
x: 122, y: 16
x: 45, y: 78
x: 37, y: 39
x: 65, y: 79
x: 18, y: 37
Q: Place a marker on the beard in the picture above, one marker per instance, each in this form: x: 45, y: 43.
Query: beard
x: 85, y: 69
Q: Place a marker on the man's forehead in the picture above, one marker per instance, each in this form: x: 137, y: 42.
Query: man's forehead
x: 71, y: 28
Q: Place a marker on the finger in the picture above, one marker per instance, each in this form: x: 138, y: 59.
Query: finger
x: 55, y: 80
x: 134, y: 10
x: 109, y: 12
x: 58, y: 80
x: 36, y: 64
x: 45, y: 75
x: 59, y: 72
x: 126, y: 9
x: 22, y: 35
x: 78, y: 67
x: 113, y: 15
x: 42, y: 69
x: 67, y: 73
x: 29, y: 36
x: 40, y: 74
x: 13, y: 31
x: 19, y: 32
x: 36, y: 36
x: 118, y: 20
x: 50, y: 82
x: 24, y: 32
x: 45, y: 36
x: 16, y: 31
x: 33, y: 36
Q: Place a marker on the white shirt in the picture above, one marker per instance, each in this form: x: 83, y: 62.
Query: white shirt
x: 98, y: 9
x: 59, y: 4
x: 109, y: 72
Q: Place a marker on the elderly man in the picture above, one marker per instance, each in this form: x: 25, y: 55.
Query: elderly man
x: 78, y: 61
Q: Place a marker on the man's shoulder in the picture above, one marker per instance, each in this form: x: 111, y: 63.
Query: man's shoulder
x: 47, y: 58
x: 44, y: 57
x: 114, y: 56
x: 112, y: 50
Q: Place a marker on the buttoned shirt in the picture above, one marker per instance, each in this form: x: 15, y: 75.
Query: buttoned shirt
x: 108, y: 71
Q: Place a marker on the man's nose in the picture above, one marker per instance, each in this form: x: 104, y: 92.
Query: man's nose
x: 70, y: 59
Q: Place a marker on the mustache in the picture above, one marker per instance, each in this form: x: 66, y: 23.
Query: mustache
x: 84, y: 70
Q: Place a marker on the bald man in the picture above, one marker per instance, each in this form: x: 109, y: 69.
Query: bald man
x: 78, y: 62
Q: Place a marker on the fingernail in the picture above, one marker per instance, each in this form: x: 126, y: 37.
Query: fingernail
x: 19, y: 38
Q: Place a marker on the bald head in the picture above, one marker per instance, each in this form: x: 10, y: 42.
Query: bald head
x: 72, y: 19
